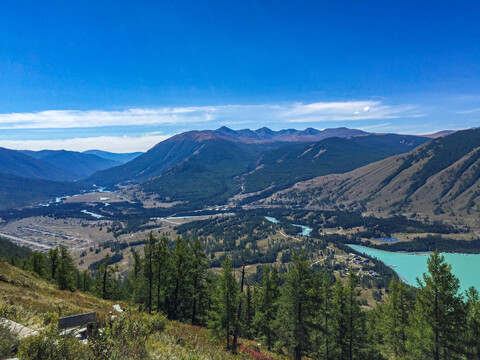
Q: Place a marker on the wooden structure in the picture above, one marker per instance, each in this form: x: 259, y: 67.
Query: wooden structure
x: 78, y: 320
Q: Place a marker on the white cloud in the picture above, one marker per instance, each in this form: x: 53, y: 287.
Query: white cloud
x: 97, y: 118
x: 120, y: 144
x: 347, y: 111
x: 198, y: 117
x: 233, y: 114
x: 470, y: 111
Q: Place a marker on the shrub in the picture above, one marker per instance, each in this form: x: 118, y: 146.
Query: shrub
x: 8, y: 342
x: 50, y: 345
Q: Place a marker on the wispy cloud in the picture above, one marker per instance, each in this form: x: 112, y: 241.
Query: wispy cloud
x: 232, y: 114
x: 469, y: 111
x: 119, y: 144
x: 348, y: 111
x: 138, y: 129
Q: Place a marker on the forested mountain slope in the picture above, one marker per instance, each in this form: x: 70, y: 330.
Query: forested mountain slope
x: 179, y: 148
x: 17, y: 191
x: 120, y: 157
x: 16, y: 163
x: 210, y: 167
x: 78, y: 164
x: 440, y: 178
x: 285, y: 166
x: 207, y: 177
x: 157, y: 160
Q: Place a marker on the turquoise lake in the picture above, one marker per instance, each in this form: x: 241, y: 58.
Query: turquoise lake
x: 410, y: 266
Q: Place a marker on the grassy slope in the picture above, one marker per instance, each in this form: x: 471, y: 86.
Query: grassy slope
x: 285, y: 166
x: 33, y: 302
x: 440, y: 179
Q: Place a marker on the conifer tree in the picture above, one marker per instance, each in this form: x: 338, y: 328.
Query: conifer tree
x: 339, y: 323
x: 296, y: 309
x: 53, y: 261
x: 180, y: 297
x: 224, y: 315
x: 65, y: 272
x: 38, y: 263
x: 105, y: 278
x: 238, y: 323
x: 85, y: 281
x: 473, y: 324
x: 267, y: 306
x: 438, y: 329
x: 161, y: 266
x: 249, y: 313
x: 198, y: 267
x: 324, y: 318
x: 355, y: 319
x: 393, y: 319
x: 148, y: 269
x: 135, y: 282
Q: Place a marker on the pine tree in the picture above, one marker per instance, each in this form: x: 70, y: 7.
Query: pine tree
x: 135, y: 284
x: 339, y: 323
x: 324, y: 300
x: 438, y: 322
x: 105, y: 279
x: 473, y: 324
x: 85, y: 281
x: 393, y: 319
x: 53, y: 261
x: 65, y: 272
x: 267, y: 307
x: 249, y: 314
x: 355, y: 319
x: 148, y: 269
x: 181, y: 296
x: 38, y: 263
x: 161, y: 266
x: 198, y: 267
x: 224, y: 315
x: 238, y: 323
x: 296, y: 309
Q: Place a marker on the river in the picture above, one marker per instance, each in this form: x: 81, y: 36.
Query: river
x: 305, y: 229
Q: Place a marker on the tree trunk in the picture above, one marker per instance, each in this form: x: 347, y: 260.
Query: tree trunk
x: 239, y: 312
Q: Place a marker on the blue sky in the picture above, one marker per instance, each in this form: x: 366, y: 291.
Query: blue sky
x: 123, y: 75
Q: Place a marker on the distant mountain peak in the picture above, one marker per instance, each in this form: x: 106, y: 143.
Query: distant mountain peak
x: 265, y: 130
x: 225, y: 129
x: 265, y: 134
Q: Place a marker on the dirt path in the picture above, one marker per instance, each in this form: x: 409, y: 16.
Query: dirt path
x: 25, y: 241
x: 285, y: 235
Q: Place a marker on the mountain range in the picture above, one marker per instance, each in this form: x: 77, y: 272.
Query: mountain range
x: 379, y: 173
x: 32, y: 176
x: 440, y: 178
x: 210, y: 167
x: 117, y: 157
x: 74, y: 164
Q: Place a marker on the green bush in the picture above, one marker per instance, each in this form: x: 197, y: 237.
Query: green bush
x: 8, y: 342
x: 125, y: 337
x: 50, y: 345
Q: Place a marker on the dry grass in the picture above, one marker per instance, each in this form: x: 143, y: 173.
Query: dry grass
x: 31, y: 301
